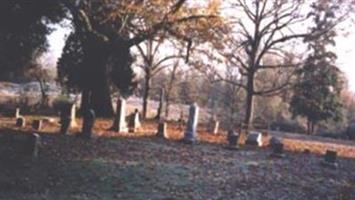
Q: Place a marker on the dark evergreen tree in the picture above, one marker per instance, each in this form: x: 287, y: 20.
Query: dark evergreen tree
x: 317, y: 93
x: 23, y: 31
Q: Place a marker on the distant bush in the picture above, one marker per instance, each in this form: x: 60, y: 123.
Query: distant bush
x: 288, y: 126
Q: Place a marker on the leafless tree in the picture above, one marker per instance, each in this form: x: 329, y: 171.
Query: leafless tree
x: 263, y: 29
x: 154, y: 62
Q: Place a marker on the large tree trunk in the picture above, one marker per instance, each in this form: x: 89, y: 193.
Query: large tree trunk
x: 249, y: 112
x: 168, y: 91
x: 44, y: 97
x: 146, y: 93
x: 101, y: 100
x: 85, y: 100
x: 248, y: 120
x: 97, y: 80
x: 167, y: 100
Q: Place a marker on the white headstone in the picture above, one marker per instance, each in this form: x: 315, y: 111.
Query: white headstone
x: 35, y: 141
x: 137, y: 123
x: 214, y: 126
x: 119, y: 124
x: 254, y: 138
x: 134, y: 122
x: 162, y: 127
x: 73, y: 115
x: 191, y: 128
x: 17, y: 113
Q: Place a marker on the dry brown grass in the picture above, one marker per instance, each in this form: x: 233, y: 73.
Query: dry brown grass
x: 299, y: 143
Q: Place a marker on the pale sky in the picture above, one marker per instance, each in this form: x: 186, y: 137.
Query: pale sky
x: 345, y: 48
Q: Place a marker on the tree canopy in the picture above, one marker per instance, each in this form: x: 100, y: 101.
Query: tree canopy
x: 317, y: 93
x: 23, y: 32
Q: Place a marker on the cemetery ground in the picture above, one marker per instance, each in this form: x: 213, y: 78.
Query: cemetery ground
x: 143, y: 166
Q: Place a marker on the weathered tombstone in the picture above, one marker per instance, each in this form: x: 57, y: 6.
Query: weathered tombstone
x: 213, y: 125
x: 68, y: 112
x: 232, y: 138
x: 274, y: 141
x: 33, y: 143
x: 134, y: 123
x: 277, y: 150
x: 162, y: 127
x: 161, y: 104
x: 73, y: 115
x: 65, y: 125
x: 17, y: 113
x: 330, y: 159
x: 254, y: 138
x: 37, y: 124
x: 191, y: 128
x: 20, y: 122
x: 277, y: 147
x: 119, y: 124
x: 88, y: 123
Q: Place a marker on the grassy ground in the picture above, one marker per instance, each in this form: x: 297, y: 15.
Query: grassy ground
x: 141, y: 166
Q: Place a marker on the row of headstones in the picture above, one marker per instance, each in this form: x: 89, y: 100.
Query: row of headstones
x: 119, y: 125
x: 253, y: 138
x: 68, y: 119
x: 21, y: 121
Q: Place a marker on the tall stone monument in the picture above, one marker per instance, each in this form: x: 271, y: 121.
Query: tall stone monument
x: 119, y: 124
x: 134, y: 122
x: 191, y: 128
x: 162, y: 129
x: 17, y: 113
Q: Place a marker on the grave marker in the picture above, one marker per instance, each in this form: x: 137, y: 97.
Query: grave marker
x: 33, y: 144
x: 277, y: 147
x: 213, y: 125
x: 17, y: 113
x: 37, y: 124
x: 65, y: 125
x: 20, y: 122
x: 119, y: 124
x: 73, y: 115
x: 162, y: 127
x: 68, y: 112
x: 232, y: 138
x: 330, y: 159
x: 88, y: 123
x: 254, y: 138
x: 191, y: 128
x: 134, y: 123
